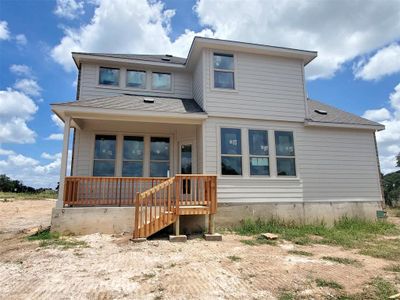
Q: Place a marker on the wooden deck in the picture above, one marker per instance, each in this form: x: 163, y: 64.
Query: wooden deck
x: 158, y: 202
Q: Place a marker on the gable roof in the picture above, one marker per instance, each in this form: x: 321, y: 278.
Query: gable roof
x: 336, y: 116
x: 129, y: 102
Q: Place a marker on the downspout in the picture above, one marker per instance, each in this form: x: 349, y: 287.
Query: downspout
x: 304, y: 92
x: 78, y: 89
x: 379, y: 173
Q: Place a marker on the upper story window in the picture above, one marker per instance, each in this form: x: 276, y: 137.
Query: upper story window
x: 259, y: 152
x: 109, y: 76
x: 136, y: 79
x: 231, y: 151
x: 224, y: 71
x: 285, y: 156
x: 161, y: 81
x: 104, y: 155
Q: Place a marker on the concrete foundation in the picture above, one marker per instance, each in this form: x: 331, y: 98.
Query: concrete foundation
x: 87, y: 220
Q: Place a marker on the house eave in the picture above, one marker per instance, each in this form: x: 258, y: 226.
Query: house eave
x: 310, y: 123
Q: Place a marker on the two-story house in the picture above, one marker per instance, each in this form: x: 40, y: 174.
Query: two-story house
x: 160, y: 140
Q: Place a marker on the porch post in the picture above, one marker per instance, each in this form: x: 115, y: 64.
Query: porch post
x: 64, y: 161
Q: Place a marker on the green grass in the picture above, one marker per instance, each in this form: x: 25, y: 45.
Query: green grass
x: 377, y: 289
x: 346, y: 232
x: 28, y: 196
x: 393, y: 268
x: 328, y: 283
x: 286, y: 296
x: 300, y: 252
x: 48, y: 238
x: 234, y: 258
x: 259, y: 240
x: 342, y: 260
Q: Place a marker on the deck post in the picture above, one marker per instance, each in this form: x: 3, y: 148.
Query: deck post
x: 211, y: 224
x: 176, y: 226
x: 64, y: 161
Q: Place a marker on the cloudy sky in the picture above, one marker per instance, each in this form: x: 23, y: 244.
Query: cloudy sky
x: 357, y: 69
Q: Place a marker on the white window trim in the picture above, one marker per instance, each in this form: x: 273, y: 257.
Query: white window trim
x: 235, y: 81
x: 259, y: 156
x: 94, y: 150
x: 219, y: 151
x: 161, y: 72
x: 120, y: 71
x: 286, y: 156
x: 131, y: 160
x: 135, y: 70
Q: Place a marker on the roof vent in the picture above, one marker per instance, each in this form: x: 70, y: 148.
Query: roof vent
x: 321, y: 112
x: 148, y: 100
x: 168, y: 55
x: 165, y: 59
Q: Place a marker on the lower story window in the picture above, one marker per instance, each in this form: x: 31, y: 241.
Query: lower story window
x: 159, y: 157
x: 285, y: 155
x: 104, y: 155
x: 259, y: 151
x: 133, y: 150
x: 231, y: 151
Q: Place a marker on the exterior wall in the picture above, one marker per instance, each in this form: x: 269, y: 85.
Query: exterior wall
x: 89, y: 88
x: 85, y: 138
x: 332, y: 165
x: 267, y: 88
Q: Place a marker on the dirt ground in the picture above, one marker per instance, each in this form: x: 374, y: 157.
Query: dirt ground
x: 112, y: 267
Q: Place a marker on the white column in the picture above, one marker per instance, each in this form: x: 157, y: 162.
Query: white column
x: 64, y: 161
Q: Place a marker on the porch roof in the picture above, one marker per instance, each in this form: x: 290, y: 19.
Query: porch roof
x: 132, y: 106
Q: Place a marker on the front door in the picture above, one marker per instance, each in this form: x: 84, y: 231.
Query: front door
x: 186, y: 165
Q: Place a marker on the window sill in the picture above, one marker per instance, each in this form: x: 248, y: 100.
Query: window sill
x: 130, y: 89
x: 213, y: 89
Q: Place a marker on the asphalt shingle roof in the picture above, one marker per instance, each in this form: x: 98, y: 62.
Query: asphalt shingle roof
x: 136, y: 102
x: 335, y: 115
x: 151, y: 58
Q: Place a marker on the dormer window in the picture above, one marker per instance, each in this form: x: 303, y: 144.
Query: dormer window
x: 224, y: 71
x: 161, y: 81
x: 136, y: 79
x: 109, y: 76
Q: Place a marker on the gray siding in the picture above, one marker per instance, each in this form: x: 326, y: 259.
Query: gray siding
x: 89, y: 88
x: 198, y: 83
x: 268, y: 88
x: 332, y: 165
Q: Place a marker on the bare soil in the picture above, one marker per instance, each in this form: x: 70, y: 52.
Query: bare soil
x: 112, y: 267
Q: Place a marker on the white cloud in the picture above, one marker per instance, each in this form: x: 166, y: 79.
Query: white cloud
x: 31, y: 171
x: 21, y: 39
x: 124, y: 26
x: 6, y: 152
x: 21, y: 70
x: 55, y: 137
x: 69, y: 9
x: 389, y: 139
x: 57, y: 121
x: 385, y: 62
x: 4, y: 32
x: 28, y: 86
x: 16, y: 110
x: 377, y: 115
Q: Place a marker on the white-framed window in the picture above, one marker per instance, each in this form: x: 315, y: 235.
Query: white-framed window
x: 159, y: 157
x: 109, y: 76
x: 224, y: 74
x: 258, y: 152
x: 285, y: 154
x: 161, y: 81
x: 104, y: 155
x: 231, y: 151
x: 133, y: 156
x: 136, y: 79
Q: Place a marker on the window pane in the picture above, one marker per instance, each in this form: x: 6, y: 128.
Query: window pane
x: 231, y: 165
x: 159, y: 149
x: 136, y: 79
x: 133, y: 148
x: 286, y: 166
x: 223, y: 80
x: 104, y: 147
x: 103, y: 168
x: 258, y: 142
x: 109, y: 76
x: 186, y: 159
x: 259, y: 166
x: 132, y: 169
x: 230, y: 141
x: 161, y: 81
x: 284, y: 143
x: 159, y: 169
x: 223, y: 61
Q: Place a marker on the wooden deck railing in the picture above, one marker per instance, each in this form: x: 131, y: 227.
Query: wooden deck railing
x: 106, y: 191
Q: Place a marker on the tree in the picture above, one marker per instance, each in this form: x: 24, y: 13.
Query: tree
x: 398, y: 160
x: 391, y: 186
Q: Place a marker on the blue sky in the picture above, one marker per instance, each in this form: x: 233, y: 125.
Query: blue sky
x: 358, y: 68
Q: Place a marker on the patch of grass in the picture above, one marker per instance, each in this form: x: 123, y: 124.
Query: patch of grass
x: 234, y: 258
x: 286, y: 296
x: 259, y: 240
x: 342, y: 260
x: 29, y: 196
x: 377, y: 289
x: 385, y: 248
x: 393, y: 268
x: 149, y: 275
x: 300, y: 252
x: 328, y: 283
x: 48, y: 238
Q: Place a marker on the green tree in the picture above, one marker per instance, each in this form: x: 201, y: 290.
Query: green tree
x: 391, y: 188
x: 398, y: 160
